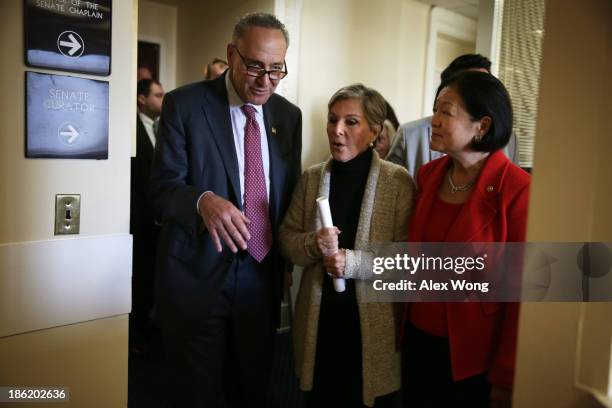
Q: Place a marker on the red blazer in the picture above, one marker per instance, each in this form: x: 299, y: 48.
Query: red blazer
x: 482, y: 336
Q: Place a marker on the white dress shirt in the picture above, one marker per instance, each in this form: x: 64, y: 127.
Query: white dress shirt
x: 147, y: 122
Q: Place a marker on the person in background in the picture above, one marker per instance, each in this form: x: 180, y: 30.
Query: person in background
x: 391, y: 117
x: 150, y: 95
x: 143, y: 72
x: 228, y: 158
x: 462, y: 354
x: 345, y: 347
x: 411, y: 146
x: 385, y: 138
x: 215, y: 68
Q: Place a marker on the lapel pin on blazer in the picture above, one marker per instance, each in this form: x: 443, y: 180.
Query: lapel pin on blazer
x: 274, y: 130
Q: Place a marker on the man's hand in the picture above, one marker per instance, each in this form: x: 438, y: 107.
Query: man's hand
x: 327, y: 240
x: 224, y: 221
x: 335, y: 264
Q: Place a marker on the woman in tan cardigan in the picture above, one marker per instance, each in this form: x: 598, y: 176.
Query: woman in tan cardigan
x: 344, y: 347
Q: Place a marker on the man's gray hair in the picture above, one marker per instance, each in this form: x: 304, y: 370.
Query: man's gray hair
x: 372, y: 102
x: 265, y: 20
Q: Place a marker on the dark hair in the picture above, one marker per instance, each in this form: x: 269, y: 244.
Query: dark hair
x: 465, y: 62
x: 265, y: 20
x: 391, y: 117
x: 144, y: 86
x: 372, y: 103
x: 484, y: 95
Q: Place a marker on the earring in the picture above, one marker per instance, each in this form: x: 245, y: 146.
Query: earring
x: 371, y: 144
x: 477, y: 138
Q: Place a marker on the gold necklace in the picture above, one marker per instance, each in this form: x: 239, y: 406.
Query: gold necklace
x: 455, y: 188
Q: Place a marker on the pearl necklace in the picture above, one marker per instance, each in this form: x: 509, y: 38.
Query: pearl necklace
x: 455, y: 188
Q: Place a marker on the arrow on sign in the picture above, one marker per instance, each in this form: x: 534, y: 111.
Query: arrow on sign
x: 70, y: 44
x: 73, y: 43
x: 71, y: 134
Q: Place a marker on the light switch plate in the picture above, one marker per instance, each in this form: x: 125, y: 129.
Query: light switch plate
x: 67, y: 214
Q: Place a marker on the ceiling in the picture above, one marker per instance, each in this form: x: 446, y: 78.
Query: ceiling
x: 468, y: 8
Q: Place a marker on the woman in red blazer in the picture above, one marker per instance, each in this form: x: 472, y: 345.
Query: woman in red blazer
x: 462, y: 354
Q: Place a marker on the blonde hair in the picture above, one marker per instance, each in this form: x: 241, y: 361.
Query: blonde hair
x: 373, y: 104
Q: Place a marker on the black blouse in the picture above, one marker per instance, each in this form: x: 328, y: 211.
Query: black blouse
x: 347, y: 184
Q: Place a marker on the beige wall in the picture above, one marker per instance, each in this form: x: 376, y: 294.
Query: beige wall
x: 381, y: 44
x: 157, y: 24
x: 204, y: 30
x: 89, y: 358
x: 73, y: 355
x: 450, y: 48
x: 484, y: 40
x: 571, y: 192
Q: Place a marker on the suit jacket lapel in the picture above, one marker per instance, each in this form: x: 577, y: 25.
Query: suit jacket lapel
x: 216, y: 111
x: 481, y: 207
x: 477, y: 212
x: 366, y: 212
x: 277, y: 164
x: 428, y: 183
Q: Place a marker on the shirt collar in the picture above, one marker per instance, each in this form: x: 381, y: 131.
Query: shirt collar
x: 233, y: 98
x: 145, y: 119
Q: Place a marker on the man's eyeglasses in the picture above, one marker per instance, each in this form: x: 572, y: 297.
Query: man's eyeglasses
x: 257, y: 71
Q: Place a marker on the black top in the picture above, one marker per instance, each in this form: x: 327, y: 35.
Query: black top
x: 338, y: 356
x: 347, y: 184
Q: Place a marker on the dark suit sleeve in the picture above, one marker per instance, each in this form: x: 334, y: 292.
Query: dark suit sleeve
x: 296, y: 167
x: 173, y: 199
x: 140, y: 169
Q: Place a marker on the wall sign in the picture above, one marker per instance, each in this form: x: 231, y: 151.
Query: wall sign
x: 66, y: 117
x: 70, y: 35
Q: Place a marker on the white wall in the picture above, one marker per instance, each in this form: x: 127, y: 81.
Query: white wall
x: 157, y: 24
x: 39, y: 266
x: 450, y: 48
x: 444, y: 25
x: 381, y: 44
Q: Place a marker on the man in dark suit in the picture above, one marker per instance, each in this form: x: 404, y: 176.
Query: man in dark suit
x: 228, y: 158
x: 142, y: 223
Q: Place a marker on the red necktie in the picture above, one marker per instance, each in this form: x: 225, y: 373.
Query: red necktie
x: 255, y: 192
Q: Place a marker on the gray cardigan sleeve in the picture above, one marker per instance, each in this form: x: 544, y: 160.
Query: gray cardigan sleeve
x: 297, y: 244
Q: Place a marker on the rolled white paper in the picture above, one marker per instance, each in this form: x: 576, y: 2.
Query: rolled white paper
x: 326, y: 220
